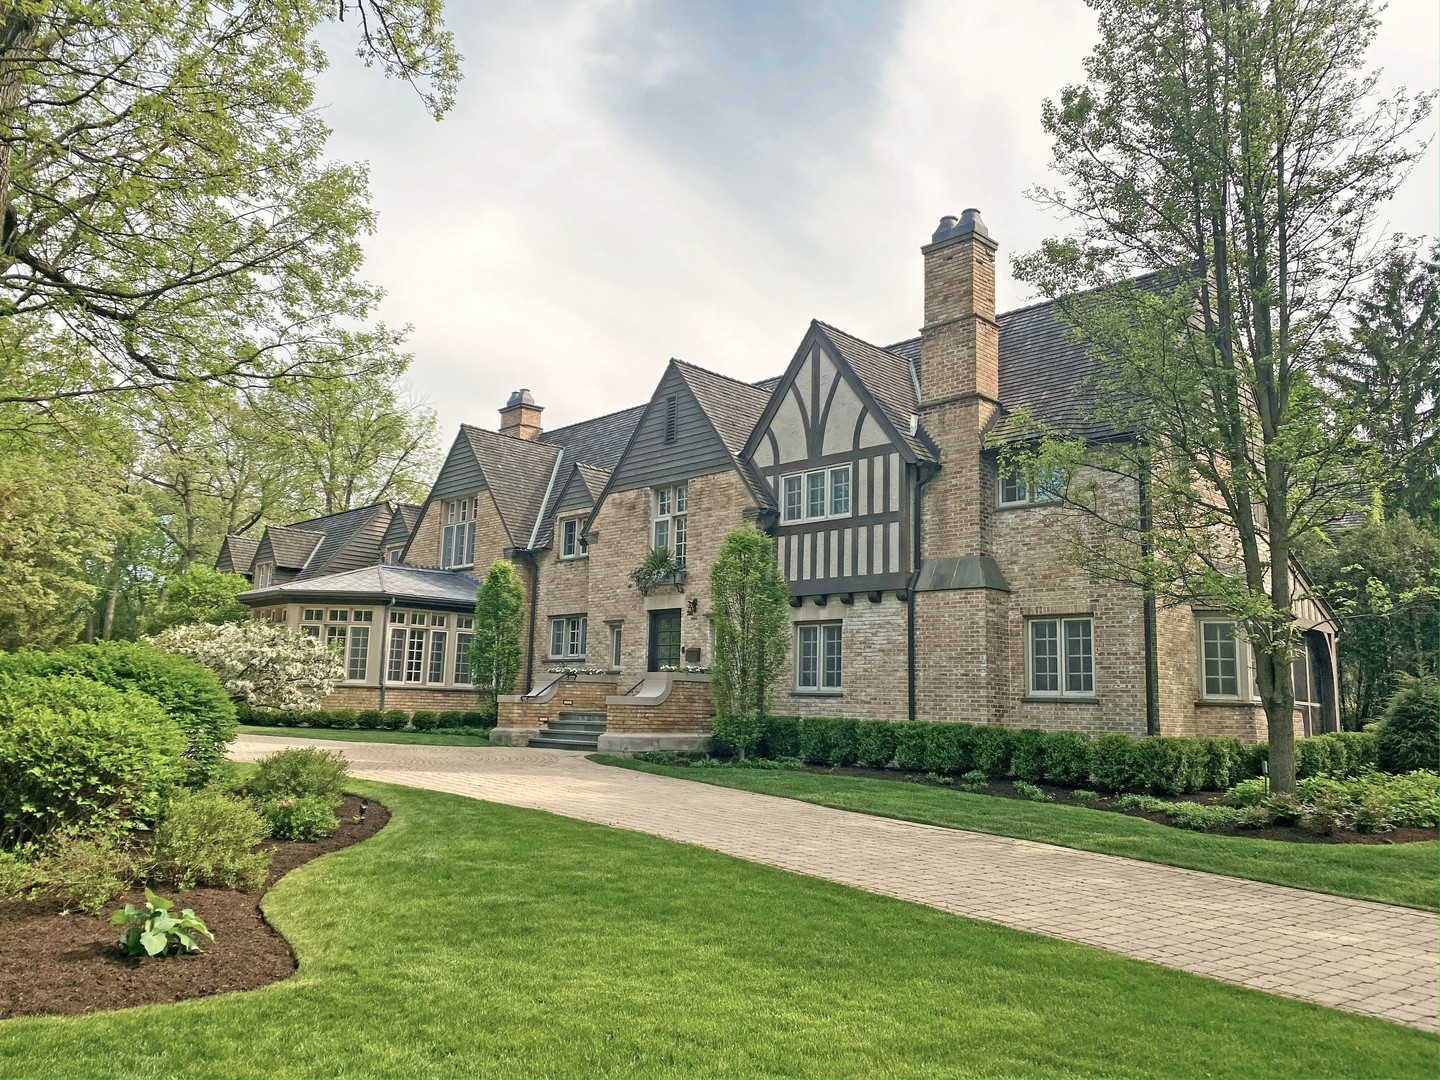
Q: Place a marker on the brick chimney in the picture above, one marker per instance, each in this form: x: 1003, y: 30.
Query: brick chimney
x: 521, y: 416
x: 959, y: 380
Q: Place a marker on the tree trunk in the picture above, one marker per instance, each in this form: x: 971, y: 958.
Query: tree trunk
x: 1277, y: 694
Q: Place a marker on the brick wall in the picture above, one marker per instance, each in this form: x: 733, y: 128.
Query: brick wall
x: 563, y: 588
x: 717, y: 504
x: 688, y: 709
x: 587, y: 693
x: 874, y: 655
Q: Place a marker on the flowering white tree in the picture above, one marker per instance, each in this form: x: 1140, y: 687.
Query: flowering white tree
x: 260, y: 663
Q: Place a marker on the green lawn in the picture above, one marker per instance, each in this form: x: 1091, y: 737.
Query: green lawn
x: 421, y: 738
x: 469, y: 939
x: 1394, y: 874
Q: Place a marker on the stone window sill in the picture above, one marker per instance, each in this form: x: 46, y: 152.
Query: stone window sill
x: 1045, y: 699
x: 1229, y: 703
x: 818, y: 693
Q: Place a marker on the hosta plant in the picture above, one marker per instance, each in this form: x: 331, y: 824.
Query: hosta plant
x: 155, y: 929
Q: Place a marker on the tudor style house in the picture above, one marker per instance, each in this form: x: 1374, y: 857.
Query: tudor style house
x: 923, y: 582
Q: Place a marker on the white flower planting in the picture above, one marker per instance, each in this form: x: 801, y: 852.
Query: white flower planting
x: 260, y: 663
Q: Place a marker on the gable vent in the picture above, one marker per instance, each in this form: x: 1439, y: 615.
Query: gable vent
x: 672, y: 419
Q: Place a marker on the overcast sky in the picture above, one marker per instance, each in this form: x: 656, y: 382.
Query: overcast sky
x: 623, y: 181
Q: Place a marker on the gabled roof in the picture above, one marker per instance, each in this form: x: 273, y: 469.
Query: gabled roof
x: 890, y: 382
x: 598, y: 442
x: 518, y: 472
x: 593, y: 478
x: 733, y: 409
x: 378, y: 582
x: 237, y: 554
x: 288, y: 547
x: 340, y: 531
x: 402, y: 524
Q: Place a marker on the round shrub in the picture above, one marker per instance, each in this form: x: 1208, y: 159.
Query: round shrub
x: 476, y: 718
x: 1027, y: 755
x: 1067, y: 757
x: 341, y: 718
x: 424, y: 721
x: 85, y: 873
x: 946, y: 748
x: 780, y: 737
x: 188, y: 692
x: 450, y: 718
x: 1409, y: 736
x: 394, y: 720
x: 306, y: 817
x: 299, y: 773
x: 827, y: 741
x: 991, y: 749
x: 910, y: 745
x: 1114, y: 764
x: 874, y: 743
x: 80, y: 757
x: 207, y: 837
x: 369, y: 719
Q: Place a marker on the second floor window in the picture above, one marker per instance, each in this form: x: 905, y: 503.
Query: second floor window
x: 1017, y: 491
x: 571, y: 546
x: 457, y: 533
x: 816, y: 495
x: 264, y: 575
x: 668, y: 529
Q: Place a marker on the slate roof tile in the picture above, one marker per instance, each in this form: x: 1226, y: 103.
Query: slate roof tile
x: 379, y: 582
x: 887, y: 376
x: 291, y: 547
x: 237, y: 554
x: 598, y: 442
x: 339, y: 530
x: 517, y: 472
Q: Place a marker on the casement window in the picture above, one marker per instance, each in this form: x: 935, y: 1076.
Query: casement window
x: 335, y: 639
x: 339, y: 615
x: 464, y: 635
x: 567, y: 637
x: 264, y: 575
x: 571, y: 546
x: 818, y: 656
x: 438, y: 641
x: 615, y: 642
x: 359, y: 657
x: 362, y: 616
x: 457, y: 532
x: 312, y: 614
x: 392, y: 554
x: 1016, y: 491
x: 815, y: 495
x: 1227, y: 672
x: 1060, y: 657
x: 310, y: 631
x: 668, y: 525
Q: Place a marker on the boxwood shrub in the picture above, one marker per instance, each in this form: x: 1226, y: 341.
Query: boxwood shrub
x: 910, y: 742
x: 394, y: 720
x: 1067, y: 757
x: 780, y: 737
x: 1027, y: 755
x: 450, y: 718
x: 369, y: 719
x: 992, y: 749
x: 946, y: 749
x: 424, y: 721
x: 875, y: 743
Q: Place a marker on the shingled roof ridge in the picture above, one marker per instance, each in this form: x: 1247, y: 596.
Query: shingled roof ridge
x: 336, y: 514
x: 717, y: 374
x: 546, y: 435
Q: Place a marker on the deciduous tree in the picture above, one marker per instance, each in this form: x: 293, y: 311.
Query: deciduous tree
x: 496, y: 650
x: 750, y: 606
x: 1238, y: 150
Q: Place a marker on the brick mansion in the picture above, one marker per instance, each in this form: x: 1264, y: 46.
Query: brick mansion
x: 924, y: 582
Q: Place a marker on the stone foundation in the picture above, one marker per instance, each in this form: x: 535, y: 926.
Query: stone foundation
x: 407, y: 698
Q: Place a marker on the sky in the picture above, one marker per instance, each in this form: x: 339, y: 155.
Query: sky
x: 623, y: 181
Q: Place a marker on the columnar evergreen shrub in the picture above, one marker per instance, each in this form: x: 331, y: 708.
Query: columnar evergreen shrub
x: 187, y: 691
x: 910, y: 742
x: 1067, y: 757
x: 78, y: 757
x: 875, y: 743
x: 1409, y: 736
x: 991, y: 749
x: 1170, y: 765
x: 1223, y: 759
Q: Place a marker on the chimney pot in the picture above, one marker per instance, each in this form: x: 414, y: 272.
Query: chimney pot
x: 521, y: 416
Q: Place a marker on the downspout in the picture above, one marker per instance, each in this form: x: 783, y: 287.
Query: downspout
x: 384, y: 650
x: 1152, y: 659
x: 534, y: 565
x: 910, y: 635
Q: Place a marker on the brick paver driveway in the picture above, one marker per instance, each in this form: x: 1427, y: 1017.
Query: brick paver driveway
x: 1351, y: 954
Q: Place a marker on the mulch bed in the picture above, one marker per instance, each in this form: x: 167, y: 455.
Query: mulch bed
x: 58, y: 964
x: 1063, y: 796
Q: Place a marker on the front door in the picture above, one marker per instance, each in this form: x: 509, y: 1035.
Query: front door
x: 664, y: 639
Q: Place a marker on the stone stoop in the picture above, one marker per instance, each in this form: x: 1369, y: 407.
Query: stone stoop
x: 572, y: 730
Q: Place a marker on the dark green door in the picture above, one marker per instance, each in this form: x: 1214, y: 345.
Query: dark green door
x: 664, y: 639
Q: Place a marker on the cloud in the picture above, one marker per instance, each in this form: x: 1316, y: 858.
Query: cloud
x: 626, y: 180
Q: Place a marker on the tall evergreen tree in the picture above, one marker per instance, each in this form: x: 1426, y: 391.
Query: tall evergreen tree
x: 750, y: 606
x: 497, y: 651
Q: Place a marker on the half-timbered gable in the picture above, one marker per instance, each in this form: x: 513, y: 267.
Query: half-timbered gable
x: 839, y: 449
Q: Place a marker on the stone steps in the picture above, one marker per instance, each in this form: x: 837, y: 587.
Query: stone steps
x: 572, y: 730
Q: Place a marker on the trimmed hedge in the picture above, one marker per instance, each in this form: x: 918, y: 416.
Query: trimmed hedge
x: 475, y: 721
x: 190, y: 693
x: 1156, y: 765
